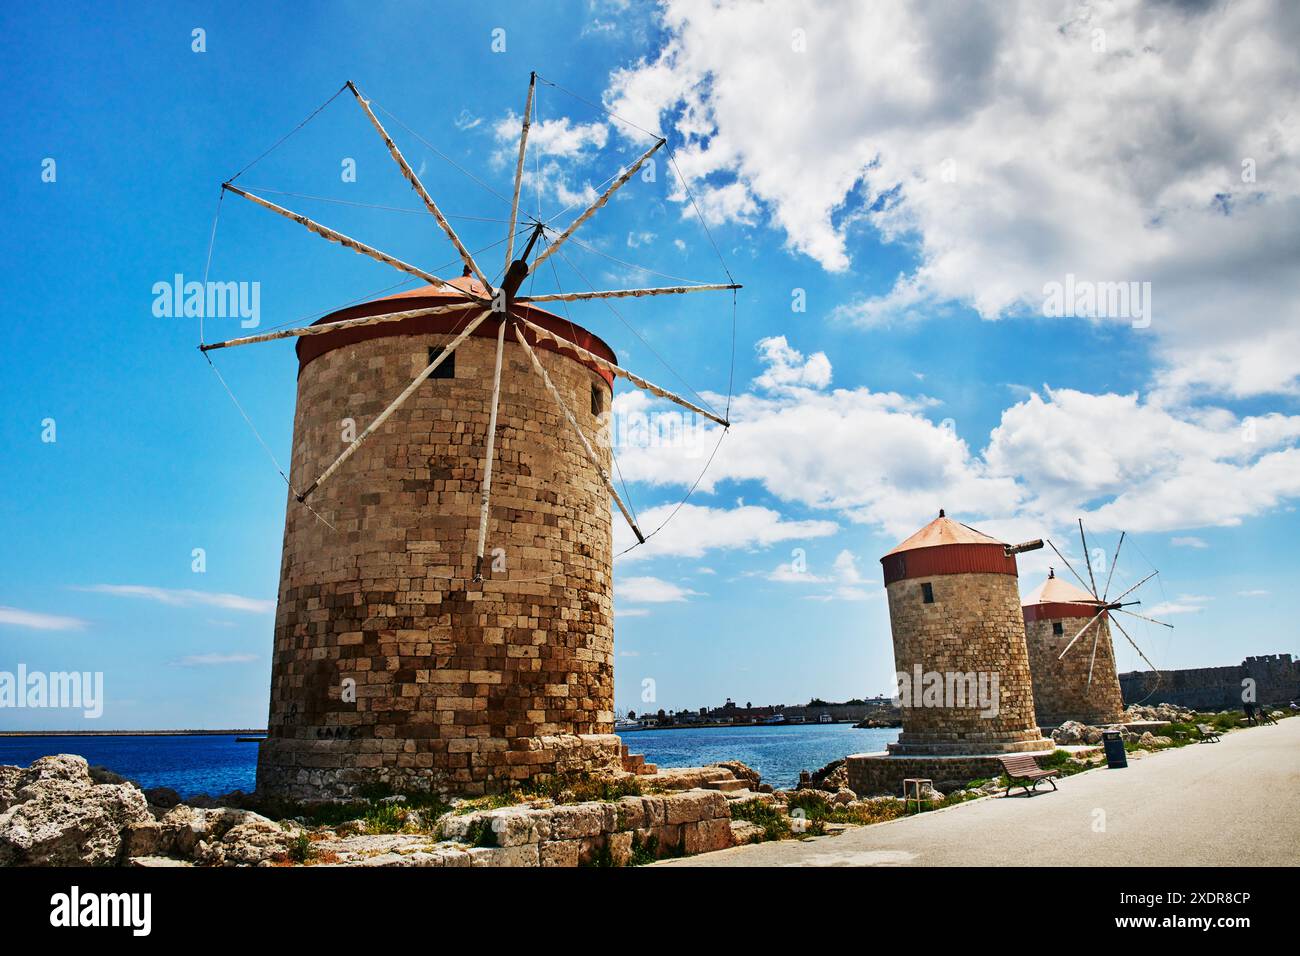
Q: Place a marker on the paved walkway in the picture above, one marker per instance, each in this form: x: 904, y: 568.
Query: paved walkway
x: 1235, y: 803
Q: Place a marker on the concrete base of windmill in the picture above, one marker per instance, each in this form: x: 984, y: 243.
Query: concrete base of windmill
x: 882, y: 774
x: 331, y: 769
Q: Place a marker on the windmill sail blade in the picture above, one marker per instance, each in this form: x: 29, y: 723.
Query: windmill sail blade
x: 489, y: 452
x: 613, y: 369
x: 1080, y: 634
x: 1084, y: 538
x: 1093, y: 662
x: 1135, y: 587
x: 418, y: 186
x: 396, y: 403
x: 336, y: 326
x: 599, y: 203
x: 624, y: 293
x: 1067, y: 563
x: 519, y: 171
x: 1113, y: 561
x: 1135, y: 647
x: 332, y: 235
x: 573, y: 423
x: 1145, y: 618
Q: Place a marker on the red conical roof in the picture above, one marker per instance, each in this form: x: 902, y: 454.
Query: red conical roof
x: 1056, y: 591
x: 311, y: 347
x: 943, y: 530
x: 1055, y: 599
x: 945, y: 546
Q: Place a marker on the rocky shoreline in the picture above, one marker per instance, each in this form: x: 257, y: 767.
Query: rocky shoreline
x: 61, y: 812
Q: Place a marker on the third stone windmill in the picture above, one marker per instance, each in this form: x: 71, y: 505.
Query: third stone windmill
x: 1071, y: 658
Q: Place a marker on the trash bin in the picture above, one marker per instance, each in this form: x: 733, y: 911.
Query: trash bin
x: 1113, y: 741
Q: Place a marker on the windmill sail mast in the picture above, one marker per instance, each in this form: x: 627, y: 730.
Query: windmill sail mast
x: 1105, y: 604
x: 478, y: 308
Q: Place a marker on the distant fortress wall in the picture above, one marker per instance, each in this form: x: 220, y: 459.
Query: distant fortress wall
x: 1276, y: 677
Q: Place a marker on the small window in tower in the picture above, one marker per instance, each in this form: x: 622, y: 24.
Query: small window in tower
x: 1058, y: 628
x: 448, y: 367
x: 927, y: 593
x: 597, y: 401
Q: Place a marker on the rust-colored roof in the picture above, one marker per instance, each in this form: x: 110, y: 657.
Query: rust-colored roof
x: 1055, y: 600
x: 941, y: 531
x: 945, y: 546
x: 311, y: 347
x: 1056, y: 591
x: 464, y: 283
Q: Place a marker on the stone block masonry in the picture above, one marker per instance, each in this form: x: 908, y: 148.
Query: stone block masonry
x: 391, y: 666
x: 1275, y: 677
x: 580, y: 834
x: 973, y: 624
x: 1062, y: 689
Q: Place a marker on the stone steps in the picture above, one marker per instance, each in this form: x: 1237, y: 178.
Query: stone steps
x: 726, y: 786
x: 635, y: 763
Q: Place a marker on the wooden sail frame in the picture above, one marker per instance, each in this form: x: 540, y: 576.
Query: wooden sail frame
x: 498, y: 302
x: 1106, y: 604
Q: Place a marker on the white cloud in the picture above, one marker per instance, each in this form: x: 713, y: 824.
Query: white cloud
x: 1010, y: 153
x: 36, y: 621
x: 1146, y: 467
x: 844, y: 580
x: 1188, y: 541
x: 1183, y: 604
x: 697, y: 529
x: 184, y: 597
x: 213, y: 660
x: 880, y: 459
x: 1256, y: 592
x: 873, y: 456
x: 650, y: 590
x: 552, y: 137
x: 787, y: 368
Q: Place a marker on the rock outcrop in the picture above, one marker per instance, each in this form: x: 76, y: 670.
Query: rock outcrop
x: 1170, y: 712
x: 56, y: 814
x: 1072, y: 733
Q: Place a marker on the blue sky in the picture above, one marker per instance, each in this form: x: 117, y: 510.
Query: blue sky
x: 922, y: 374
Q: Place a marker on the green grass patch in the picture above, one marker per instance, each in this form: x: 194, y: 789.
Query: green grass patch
x: 644, y: 851
x: 301, y: 850
x: 480, y: 833
x: 776, y: 825
x: 582, y: 789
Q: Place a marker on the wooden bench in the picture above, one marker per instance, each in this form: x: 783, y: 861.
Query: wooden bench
x: 1208, y: 734
x: 1022, y: 769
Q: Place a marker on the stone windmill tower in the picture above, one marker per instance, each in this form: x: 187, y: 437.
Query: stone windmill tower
x: 445, y: 606
x: 1074, y: 687
x: 954, y: 609
x: 1080, y: 684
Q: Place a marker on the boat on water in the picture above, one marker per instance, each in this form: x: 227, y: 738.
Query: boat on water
x: 624, y: 724
x: 774, y: 720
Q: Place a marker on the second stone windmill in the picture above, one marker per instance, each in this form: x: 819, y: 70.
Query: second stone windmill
x: 405, y: 655
x: 1073, y: 666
